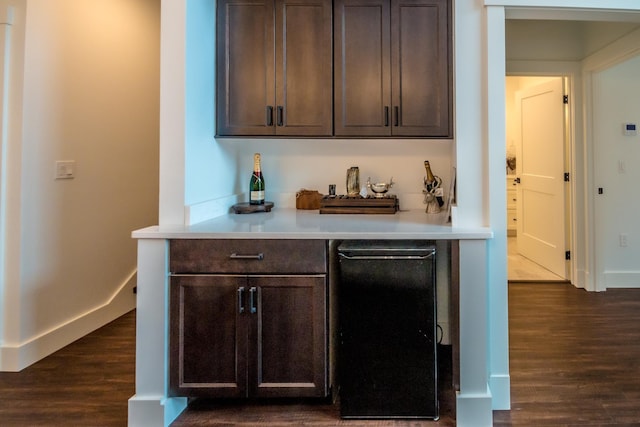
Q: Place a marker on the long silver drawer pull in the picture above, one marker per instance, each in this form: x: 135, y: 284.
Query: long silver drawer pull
x: 381, y: 257
x: 239, y: 256
x: 252, y: 299
x: 241, y: 299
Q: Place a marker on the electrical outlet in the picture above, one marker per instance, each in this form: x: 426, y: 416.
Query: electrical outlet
x: 623, y: 240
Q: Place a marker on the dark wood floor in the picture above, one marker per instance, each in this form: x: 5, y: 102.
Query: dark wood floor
x: 574, y: 357
x: 575, y: 361
x: 87, y: 383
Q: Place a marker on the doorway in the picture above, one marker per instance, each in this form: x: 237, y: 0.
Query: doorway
x: 538, y: 155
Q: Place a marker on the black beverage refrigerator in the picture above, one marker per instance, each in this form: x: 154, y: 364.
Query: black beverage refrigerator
x: 387, y: 329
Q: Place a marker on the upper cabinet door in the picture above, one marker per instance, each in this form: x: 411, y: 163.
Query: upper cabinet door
x: 362, y: 68
x: 274, y: 67
x: 420, y: 58
x: 392, y: 68
x: 245, y: 67
x: 304, y: 92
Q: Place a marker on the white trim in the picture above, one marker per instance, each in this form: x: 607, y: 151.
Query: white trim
x: 474, y: 410
x: 594, y: 5
x: 154, y: 411
x: 621, y: 50
x: 199, y: 212
x: 474, y: 400
x: 14, y: 358
x: 172, y: 111
x: 496, y: 135
x: 621, y: 279
x: 150, y: 406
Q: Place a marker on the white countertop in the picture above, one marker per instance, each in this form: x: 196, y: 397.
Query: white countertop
x: 300, y: 224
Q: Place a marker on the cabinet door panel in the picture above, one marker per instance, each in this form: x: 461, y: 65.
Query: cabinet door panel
x: 245, y: 67
x: 362, y: 68
x: 420, y: 66
x: 290, y: 333
x: 207, y: 337
x: 303, y: 67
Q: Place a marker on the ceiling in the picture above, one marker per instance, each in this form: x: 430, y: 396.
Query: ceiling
x: 565, y: 40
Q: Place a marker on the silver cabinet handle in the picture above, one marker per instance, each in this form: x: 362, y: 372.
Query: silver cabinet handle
x: 253, y: 299
x: 241, y: 299
x: 259, y: 256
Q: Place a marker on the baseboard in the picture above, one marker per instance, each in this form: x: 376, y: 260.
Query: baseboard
x: 15, y: 358
x: 500, y: 386
x: 622, y: 279
x: 474, y: 410
x: 154, y: 411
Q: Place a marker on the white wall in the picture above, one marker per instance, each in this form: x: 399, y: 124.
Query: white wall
x: 89, y: 93
x: 616, y: 168
x: 216, y: 172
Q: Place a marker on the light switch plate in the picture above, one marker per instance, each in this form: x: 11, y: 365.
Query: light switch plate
x: 65, y: 169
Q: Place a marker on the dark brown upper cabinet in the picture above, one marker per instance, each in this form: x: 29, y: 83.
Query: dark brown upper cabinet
x: 392, y: 64
x: 274, y: 67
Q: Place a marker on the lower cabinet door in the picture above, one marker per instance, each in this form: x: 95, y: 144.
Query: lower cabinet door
x: 257, y: 336
x: 290, y: 335
x: 208, y: 330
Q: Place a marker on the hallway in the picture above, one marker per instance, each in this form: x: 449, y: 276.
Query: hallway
x: 521, y: 269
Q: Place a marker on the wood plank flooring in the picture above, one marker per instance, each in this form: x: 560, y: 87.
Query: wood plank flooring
x: 575, y: 361
x: 575, y: 357
x: 85, y: 384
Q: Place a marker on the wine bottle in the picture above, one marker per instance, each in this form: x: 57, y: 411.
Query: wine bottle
x: 430, y: 179
x: 256, y: 185
x: 433, y: 184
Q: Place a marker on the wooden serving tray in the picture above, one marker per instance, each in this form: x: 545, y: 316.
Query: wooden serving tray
x: 242, y: 208
x: 359, y: 205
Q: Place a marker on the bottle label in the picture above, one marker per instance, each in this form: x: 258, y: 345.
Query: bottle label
x: 257, y: 196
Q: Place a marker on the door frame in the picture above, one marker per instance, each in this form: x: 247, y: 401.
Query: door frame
x: 592, y: 66
x: 569, y: 76
x: 584, y: 266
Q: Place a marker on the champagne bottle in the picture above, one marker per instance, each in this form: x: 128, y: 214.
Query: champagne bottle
x: 430, y: 179
x: 433, y: 184
x: 256, y: 185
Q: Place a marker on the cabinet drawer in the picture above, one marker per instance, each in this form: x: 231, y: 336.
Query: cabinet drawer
x: 247, y: 256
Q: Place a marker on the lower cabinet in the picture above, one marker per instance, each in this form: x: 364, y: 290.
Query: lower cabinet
x: 242, y: 335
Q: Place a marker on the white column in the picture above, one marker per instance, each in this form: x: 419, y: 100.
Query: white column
x: 173, y: 63
x: 499, y: 379
x: 473, y: 402
x: 150, y: 406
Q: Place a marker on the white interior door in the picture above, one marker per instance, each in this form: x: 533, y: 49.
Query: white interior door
x: 540, y: 168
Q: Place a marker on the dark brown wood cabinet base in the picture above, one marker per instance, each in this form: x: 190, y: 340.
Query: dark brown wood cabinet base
x: 248, y: 335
